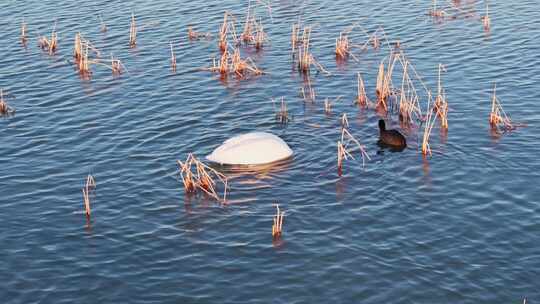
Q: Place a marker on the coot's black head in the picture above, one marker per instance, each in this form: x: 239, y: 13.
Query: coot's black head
x: 382, y: 125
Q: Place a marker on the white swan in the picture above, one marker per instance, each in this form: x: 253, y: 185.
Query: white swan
x: 254, y: 148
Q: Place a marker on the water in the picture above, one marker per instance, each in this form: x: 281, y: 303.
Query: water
x: 460, y: 227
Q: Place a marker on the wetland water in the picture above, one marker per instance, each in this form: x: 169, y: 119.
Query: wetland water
x: 460, y: 227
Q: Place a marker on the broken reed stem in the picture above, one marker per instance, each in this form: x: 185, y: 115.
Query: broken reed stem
x: 173, y: 58
x: 277, y: 227
x: 198, y: 176
x: 89, y: 186
x: 132, y: 32
x: 361, y: 99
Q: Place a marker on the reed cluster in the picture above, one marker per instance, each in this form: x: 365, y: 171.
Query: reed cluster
x: 198, y: 176
x: 282, y: 113
x: 277, y: 227
x: 235, y: 64
x: 498, y: 119
x: 343, y: 150
x: 302, y: 53
x: 49, y: 45
x: 253, y: 33
x: 342, y: 46
x: 383, y: 89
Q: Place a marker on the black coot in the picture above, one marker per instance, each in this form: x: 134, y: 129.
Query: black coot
x: 391, y: 137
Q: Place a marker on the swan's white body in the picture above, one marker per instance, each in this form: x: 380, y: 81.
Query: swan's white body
x: 251, y: 149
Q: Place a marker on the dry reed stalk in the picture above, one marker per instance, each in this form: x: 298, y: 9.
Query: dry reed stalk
x: 260, y: 37
x: 196, y: 175
x: 282, y: 115
x: 83, y: 61
x: 226, y: 27
x: 409, y: 104
x: 361, y: 99
x: 249, y: 25
x: 294, y: 38
x: 485, y: 19
x: 116, y: 66
x: 77, y: 47
x: 304, y: 57
x: 307, y: 88
x: 23, y: 32
x: 441, y: 104
x: 384, y: 88
x: 173, y: 58
x: 132, y: 32
x: 89, y: 186
x: 342, y: 46
x: 277, y: 227
x: 342, y: 151
x: 344, y: 121
x: 429, y: 123
x: 328, y: 104
x: 5, y: 109
x: 497, y: 117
